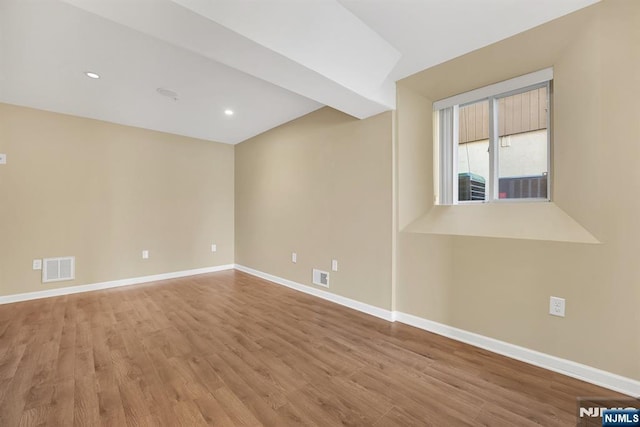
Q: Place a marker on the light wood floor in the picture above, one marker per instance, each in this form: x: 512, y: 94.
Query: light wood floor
x: 230, y: 349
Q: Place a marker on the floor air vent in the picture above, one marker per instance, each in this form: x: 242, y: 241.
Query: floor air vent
x: 58, y: 269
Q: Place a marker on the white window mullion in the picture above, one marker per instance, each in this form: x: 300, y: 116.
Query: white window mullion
x: 448, y: 186
x: 549, y: 136
x: 494, y: 147
x: 455, y: 140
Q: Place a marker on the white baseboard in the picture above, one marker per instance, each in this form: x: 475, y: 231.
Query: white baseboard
x: 111, y: 284
x: 563, y: 366
x: 347, y: 302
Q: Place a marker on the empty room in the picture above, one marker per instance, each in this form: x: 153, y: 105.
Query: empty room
x: 319, y: 213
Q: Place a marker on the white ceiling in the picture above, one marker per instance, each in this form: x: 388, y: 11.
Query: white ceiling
x: 270, y: 60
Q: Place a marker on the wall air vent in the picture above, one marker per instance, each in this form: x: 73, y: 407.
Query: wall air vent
x: 320, y: 278
x: 58, y: 269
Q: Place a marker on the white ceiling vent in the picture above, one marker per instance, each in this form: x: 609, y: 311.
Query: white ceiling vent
x: 320, y: 278
x: 58, y: 269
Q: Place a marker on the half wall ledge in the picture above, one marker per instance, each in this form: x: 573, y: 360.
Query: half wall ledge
x: 523, y: 220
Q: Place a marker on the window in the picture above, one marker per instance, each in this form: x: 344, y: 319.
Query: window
x: 494, y: 142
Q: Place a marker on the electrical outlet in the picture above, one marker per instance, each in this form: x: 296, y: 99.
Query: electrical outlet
x: 37, y: 264
x: 334, y: 265
x: 294, y: 257
x: 556, y: 306
x: 214, y: 248
x: 145, y: 254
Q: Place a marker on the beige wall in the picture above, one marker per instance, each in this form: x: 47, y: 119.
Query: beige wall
x: 319, y: 186
x: 424, y: 266
x: 501, y: 287
x: 103, y: 193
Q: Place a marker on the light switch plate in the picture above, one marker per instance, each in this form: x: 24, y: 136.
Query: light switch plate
x: 3, y: 159
x: 37, y: 264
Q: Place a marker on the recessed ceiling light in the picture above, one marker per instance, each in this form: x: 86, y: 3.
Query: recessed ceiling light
x: 92, y: 75
x: 228, y: 112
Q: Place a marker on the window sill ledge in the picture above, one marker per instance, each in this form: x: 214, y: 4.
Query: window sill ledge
x: 532, y: 221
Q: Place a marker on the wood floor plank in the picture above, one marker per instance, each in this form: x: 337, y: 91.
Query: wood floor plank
x: 111, y: 408
x: 33, y: 417
x: 10, y: 361
x: 235, y: 408
x: 212, y: 412
x: 39, y: 395
x: 134, y: 402
x: 61, y: 406
x: 228, y: 349
x: 263, y: 386
x: 188, y: 414
x: 86, y: 409
x: 14, y: 400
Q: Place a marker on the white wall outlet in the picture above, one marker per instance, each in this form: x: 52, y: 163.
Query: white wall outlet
x: 556, y: 306
x: 214, y: 248
x: 334, y: 265
x: 3, y: 159
x: 37, y: 264
x: 294, y: 257
x: 145, y: 254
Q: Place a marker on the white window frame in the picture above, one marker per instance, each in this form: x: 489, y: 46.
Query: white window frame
x: 446, y: 136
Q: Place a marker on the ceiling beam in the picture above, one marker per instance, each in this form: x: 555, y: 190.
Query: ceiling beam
x: 318, y: 49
